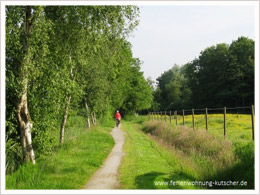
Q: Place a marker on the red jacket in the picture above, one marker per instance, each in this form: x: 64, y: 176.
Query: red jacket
x: 118, y: 116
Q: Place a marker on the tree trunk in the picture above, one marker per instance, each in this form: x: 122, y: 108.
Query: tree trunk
x: 66, y: 111
x: 93, y: 118
x: 25, y: 127
x: 64, y: 120
x: 22, y: 112
x: 88, y: 118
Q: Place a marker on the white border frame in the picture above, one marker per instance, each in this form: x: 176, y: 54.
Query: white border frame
x: 139, y: 3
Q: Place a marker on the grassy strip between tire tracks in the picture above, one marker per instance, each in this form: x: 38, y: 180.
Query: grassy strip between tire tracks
x: 72, y: 164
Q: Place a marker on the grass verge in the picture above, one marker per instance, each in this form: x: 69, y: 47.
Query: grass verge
x: 71, y: 164
x: 148, y: 165
x: 214, y: 158
x: 158, y: 156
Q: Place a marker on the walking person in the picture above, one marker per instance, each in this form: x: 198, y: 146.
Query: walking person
x: 118, y: 118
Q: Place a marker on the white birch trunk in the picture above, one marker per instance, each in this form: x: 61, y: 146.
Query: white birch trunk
x: 64, y: 120
x: 25, y: 126
x: 88, y: 118
x: 92, y: 117
x: 22, y: 111
x: 95, y: 119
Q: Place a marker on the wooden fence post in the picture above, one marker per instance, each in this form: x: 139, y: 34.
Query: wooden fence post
x: 183, y: 121
x: 253, y: 122
x: 148, y: 115
x: 170, y: 116
x: 165, y: 116
x: 176, y: 117
x: 225, y: 124
x: 206, y: 117
x: 161, y: 115
x: 193, y: 122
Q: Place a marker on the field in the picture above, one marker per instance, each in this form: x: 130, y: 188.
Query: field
x: 159, y: 152
x: 239, y: 126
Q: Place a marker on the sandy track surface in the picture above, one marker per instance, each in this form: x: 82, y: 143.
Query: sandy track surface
x: 107, y: 176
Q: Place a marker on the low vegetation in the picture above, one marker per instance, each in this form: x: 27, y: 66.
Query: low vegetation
x: 200, y: 155
x: 72, y: 163
x: 239, y: 126
x: 148, y: 165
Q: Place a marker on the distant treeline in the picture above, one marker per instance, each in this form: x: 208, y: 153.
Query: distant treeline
x: 222, y: 75
x: 61, y: 59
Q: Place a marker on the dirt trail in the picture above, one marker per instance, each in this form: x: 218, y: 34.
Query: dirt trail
x: 106, y: 177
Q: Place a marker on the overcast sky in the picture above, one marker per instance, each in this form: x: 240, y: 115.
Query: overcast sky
x: 169, y: 35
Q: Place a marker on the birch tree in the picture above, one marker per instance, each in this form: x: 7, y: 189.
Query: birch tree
x: 28, y: 25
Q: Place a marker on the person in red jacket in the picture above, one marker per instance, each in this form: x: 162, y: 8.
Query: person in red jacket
x: 118, y: 118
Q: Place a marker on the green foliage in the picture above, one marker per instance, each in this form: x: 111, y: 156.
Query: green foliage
x: 31, y: 62
x: 139, y: 93
x: 173, y: 91
x: 222, y: 75
x: 244, y: 153
x: 70, y: 166
x: 77, y: 51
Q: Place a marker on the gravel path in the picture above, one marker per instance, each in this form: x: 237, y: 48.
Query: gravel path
x: 107, y: 176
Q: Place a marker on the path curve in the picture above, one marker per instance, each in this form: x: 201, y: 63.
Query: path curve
x: 106, y: 177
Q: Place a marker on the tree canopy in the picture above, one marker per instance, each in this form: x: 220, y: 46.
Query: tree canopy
x: 61, y: 58
x: 222, y: 75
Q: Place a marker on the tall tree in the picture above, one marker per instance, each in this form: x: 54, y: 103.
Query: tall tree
x: 139, y: 94
x: 72, y: 57
x: 212, y: 76
x: 241, y: 71
x: 173, y: 91
x: 223, y: 75
x: 28, y: 27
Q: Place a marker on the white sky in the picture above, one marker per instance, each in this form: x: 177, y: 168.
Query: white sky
x: 169, y: 35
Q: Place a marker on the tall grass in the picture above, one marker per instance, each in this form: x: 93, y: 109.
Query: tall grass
x: 208, y: 152
x: 214, y: 158
x: 72, y: 163
x: 239, y: 126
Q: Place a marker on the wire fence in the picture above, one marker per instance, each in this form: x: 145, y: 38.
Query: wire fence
x: 176, y: 115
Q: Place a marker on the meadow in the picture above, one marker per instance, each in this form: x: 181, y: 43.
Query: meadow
x: 239, y: 126
x: 195, y: 155
x: 71, y: 164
